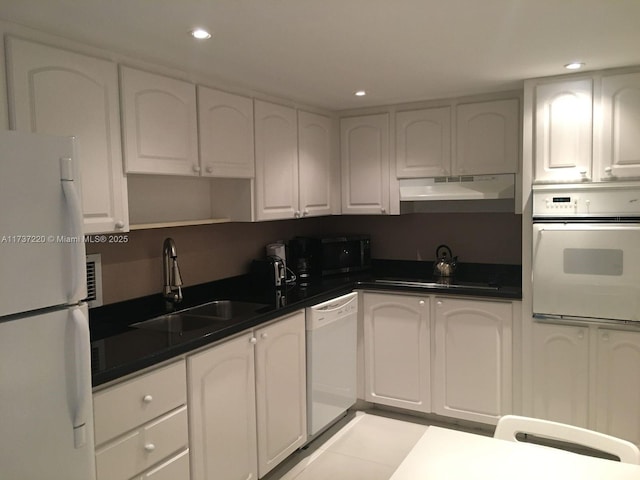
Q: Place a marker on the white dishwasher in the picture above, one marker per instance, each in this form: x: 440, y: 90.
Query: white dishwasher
x: 331, y: 360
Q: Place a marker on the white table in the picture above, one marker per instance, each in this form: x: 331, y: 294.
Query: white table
x: 444, y: 454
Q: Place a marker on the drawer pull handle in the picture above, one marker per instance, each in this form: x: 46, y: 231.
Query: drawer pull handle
x: 149, y: 447
x: 147, y: 399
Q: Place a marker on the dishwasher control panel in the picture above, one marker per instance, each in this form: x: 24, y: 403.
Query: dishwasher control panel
x: 332, y: 310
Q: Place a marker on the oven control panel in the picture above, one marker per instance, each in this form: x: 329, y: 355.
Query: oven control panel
x: 587, y: 201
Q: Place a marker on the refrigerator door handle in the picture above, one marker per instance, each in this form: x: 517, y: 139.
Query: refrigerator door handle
x: 78, y: 272
x: 82, y: 355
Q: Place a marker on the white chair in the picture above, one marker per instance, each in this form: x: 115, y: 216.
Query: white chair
x: 511, y: 425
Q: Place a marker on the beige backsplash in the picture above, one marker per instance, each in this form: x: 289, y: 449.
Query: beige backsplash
x: 211, y: 252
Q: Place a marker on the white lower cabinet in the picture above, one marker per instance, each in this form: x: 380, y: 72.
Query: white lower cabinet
x: 589, y: 376
x: 472, y: 359
x: 396, y: 348
x: 561, y: 373
x: 617, y: 377
x: 247, y: 402
x: 141, y: 427
x: 222, y: 403
x: 281, y: 390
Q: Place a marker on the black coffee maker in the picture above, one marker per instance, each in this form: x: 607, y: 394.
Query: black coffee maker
x: 303, y: 260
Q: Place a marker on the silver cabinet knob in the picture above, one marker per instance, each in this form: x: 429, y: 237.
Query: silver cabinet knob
x: 196, y: 168
x: 119, y: 224
x: 209, y: 169
x: 383, y: 210
x: 149, y: 447
x: 264, y: 335
x: 253, y: 340
x: 147, y: 399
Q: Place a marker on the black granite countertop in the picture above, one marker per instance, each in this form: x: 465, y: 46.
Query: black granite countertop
x: 119, y: 349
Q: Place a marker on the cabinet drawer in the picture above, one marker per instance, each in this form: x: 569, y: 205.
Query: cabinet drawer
x: 128, y: 405
x: 144, y: 447
x: 176, y: 468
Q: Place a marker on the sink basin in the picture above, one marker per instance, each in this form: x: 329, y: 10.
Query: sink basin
x: 204, y: 316
x: 175, y: 323
x: 225, y: 310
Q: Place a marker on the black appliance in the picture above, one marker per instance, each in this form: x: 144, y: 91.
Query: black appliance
x: 329, y: 255
x: 269, y: 271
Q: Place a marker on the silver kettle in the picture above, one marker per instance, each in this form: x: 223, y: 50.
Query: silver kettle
x: 446, y: 263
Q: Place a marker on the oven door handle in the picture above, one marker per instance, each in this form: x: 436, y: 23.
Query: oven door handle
x: 535, y: 251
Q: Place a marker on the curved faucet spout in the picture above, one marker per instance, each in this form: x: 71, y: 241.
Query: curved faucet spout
x: 172, y: 290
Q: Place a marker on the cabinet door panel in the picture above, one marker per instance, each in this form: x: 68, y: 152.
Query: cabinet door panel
x: 618, y: 384
x: 159, y: 124
x: 396, y: 339
x: 280, y: 390
x: 315, y: 162
x: 176, y: 468
x: 563, y: 131
x: 487, y: 138
x: 276, y: 161
x: 472, y: 370
x: 423, y: 143
x: 365, y: 164
x: 222, y: 416
x: 560, y: 373
x: 58, y: 92
x: 225, y: 134
x: 621, y: 126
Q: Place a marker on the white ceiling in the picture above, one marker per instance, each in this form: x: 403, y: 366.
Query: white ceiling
x: 320, y: 51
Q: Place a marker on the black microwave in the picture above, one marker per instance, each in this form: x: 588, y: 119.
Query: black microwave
x: 329, y: 255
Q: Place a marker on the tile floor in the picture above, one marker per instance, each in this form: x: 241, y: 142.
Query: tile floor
x: 363, y: 446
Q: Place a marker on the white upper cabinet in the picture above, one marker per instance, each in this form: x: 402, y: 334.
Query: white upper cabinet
x: 487, y: 136
x: 563, y: 131
x: 620, y: 129
x: 58, y: 92
x: 159, y: 124
x: 315, y: 164
x: 225, y: 124
x: 423, y: 143
x: 276, y: 137
x: 364, y: 144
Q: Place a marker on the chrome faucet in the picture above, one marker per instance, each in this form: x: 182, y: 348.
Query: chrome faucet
x: 172, y: 280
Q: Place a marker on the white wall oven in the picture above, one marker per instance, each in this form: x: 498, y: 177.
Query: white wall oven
x: 586, y: 252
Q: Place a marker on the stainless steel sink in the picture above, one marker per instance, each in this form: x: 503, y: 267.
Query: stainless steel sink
x: 203, y: 316
x: 175, y: 323
x: 225, y: 310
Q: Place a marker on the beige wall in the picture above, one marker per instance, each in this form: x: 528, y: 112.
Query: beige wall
x: 211, y: 252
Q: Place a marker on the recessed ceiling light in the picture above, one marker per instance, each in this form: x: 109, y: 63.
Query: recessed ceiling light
x: 360, y: 93
x: 200, y: 34
x: 574, y: 65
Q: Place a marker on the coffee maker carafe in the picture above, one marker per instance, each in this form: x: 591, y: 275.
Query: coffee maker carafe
x: 302, y: 262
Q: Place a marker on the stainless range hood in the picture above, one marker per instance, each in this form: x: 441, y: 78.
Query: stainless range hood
x: 471, y: 193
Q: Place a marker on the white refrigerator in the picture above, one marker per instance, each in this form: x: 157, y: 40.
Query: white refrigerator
x: 46, y: 416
